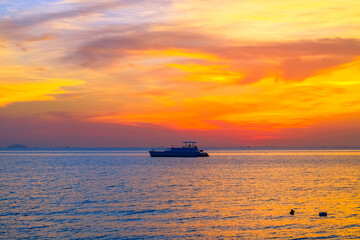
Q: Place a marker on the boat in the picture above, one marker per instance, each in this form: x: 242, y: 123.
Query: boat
x: 188, y: 150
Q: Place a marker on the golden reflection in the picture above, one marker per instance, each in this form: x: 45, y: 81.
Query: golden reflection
x: 317, y: 152
x: 224, y: 196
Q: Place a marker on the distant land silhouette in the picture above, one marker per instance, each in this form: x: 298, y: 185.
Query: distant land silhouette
x: 17, y: 146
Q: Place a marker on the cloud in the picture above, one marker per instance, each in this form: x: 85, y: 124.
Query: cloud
x: 17, y: 28
x: 129, y: 43
x: 41, y: 90
x: 268, y: 104
x: 44, y: 37
x: 144, y: 64
x: 322, y: 47
x: 271, y: 20
x: 82, y: 9
x: 294, y: 60
x: 119, y: 44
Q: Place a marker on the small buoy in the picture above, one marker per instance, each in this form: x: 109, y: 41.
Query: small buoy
x: 322, y: 214
x: 292, y: 212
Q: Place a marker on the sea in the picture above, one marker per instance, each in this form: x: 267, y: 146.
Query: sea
x: 123, y: 193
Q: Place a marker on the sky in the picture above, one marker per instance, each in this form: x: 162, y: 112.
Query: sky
x: 137, y: 73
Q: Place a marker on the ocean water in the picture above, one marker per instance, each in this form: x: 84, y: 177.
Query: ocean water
x: 233, y: 194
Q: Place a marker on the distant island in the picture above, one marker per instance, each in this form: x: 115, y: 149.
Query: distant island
x: 17, y: 146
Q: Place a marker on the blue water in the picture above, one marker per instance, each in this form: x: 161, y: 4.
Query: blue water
x: 233, y: 194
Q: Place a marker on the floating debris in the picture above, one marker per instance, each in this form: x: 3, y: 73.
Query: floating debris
x: 322, y: 214
x: 292, y: 212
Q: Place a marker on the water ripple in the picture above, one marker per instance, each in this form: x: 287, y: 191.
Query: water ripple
x: 230, y: 195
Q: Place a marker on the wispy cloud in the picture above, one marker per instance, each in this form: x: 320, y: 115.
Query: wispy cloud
x: 267, y: 105
x: 83, y: 9
x: 43, y: 90
x: 295, y: 60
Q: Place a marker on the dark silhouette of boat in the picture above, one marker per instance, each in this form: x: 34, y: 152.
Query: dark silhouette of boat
x: 188, y: 150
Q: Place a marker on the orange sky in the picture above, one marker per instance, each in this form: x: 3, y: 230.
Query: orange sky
x: 143, y: 73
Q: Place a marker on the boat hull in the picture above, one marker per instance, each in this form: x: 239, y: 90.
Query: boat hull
x: 188, y: 150
x: 177, y: 154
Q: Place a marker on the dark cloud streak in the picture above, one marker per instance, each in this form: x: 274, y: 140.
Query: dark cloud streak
x: 293, y: 60
x: 103, y: 51
x: 13, y: 28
